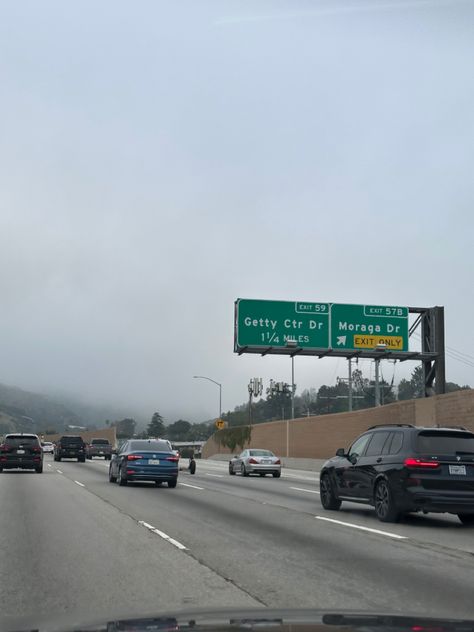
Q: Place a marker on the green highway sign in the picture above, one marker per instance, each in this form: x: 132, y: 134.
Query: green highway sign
x: 277, y: 323
x: 369, y: 327
x: 279, y: 326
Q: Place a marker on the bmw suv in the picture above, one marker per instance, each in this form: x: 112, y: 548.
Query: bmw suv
x: 21, y: 451
x: 401, y: 468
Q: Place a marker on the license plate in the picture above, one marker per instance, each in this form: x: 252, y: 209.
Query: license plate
x: 153, y: 461
x: 20, y: 452
x: 457, y: 469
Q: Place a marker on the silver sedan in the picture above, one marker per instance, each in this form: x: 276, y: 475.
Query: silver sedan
x: 255, y: 461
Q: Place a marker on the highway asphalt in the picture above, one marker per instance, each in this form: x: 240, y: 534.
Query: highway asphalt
x: 71, y: 543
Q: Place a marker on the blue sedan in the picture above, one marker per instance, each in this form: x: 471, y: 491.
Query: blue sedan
x: 144, y: 460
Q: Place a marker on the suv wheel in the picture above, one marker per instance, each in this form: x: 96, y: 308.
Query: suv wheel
x: 328, y: 499
x: 467, y: 519
x: 81, y: 459
x: 385, y: 508
x: 173, y: 482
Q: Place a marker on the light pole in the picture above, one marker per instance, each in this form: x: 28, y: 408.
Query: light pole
x: 203, y: 377
x: 292, y: 344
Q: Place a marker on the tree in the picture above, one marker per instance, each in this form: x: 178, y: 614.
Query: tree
x: 414, y: 387
x: 156, y: 427
x: 178, y: 431
x: 307, y: 401
x: 125, y: 428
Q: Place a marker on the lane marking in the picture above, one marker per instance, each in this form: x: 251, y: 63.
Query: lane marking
x: 301, y: 478
x: 215, y: 475
x: 78, y: 483
x: 59, y: 471
x: 358, y: 526
x: 193, y: 486
x: 163, y: 535
x: 49, y: 465
x: 300, y: 489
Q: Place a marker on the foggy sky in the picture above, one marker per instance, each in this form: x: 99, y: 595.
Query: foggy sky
x: 160, y: 159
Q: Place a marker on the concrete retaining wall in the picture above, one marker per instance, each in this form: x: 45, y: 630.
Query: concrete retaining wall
x: 319, y: 437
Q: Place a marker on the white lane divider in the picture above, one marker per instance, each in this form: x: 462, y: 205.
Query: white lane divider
x: 301, y: 489
x: 301, y: 478
x: 193, y: 486
x: 59, y: 471
x: 49, y: 465
x: 358, y: 526
x: 166, y: 537
x: 215, y: 475
x: 78, y: 483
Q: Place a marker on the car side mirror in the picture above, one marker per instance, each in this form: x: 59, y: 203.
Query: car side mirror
x: 114, y: 452
x: 235, y: 456
x: 340, y: 452
x: 353, y: 458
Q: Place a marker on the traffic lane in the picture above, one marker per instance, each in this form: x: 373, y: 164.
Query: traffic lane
x: 223, y: 467
x: 287, y: 558
x: 66, y: 551
x: 439, y: 530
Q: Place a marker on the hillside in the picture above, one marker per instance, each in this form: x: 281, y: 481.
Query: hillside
x: 30, y: 412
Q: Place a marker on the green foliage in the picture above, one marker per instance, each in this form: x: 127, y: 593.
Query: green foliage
x: 125, y: 428
x: 234, y: 437
x: 414, y: 387
x: 156, y: 427
x: 178, y: 431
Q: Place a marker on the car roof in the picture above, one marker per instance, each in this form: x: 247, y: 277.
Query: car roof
x: 21, y: 434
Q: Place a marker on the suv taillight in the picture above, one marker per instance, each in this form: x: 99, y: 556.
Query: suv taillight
x: 419, y: 463
x: 174, y: 459
x: 134, y: 457
x: 5, y: 448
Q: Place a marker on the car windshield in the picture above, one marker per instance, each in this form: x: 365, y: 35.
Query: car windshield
x: 16, y: 441
x: 150, y: 446
x: 224, y: 225
x: 436, y: 442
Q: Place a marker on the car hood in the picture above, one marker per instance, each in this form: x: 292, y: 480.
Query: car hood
x: 263, y: 620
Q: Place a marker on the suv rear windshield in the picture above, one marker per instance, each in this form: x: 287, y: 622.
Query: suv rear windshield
x: 16, y: 440
x: 100, y: 442
x: 71, y: 440
x: 444, y: 442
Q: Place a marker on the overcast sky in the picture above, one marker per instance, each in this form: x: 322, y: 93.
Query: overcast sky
x: 159, y: 159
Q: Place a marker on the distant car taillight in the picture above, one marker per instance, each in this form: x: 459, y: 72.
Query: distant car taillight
x: 36, y: 450
x: 174, y: 459
x: 413, y: 462
x: 134, y: 457
x: 253, y: 461
x: 5, y: 448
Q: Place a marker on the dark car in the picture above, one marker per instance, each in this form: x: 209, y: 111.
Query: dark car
x: 70, y: 447
x: 144, y: 460
x: 99, y: 447
x: 21, y: 451
x: 400, y: 469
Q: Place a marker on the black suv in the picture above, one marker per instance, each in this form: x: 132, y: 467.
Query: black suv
x: 21, y: 451
x: 70, y: 447
x: 401, y: 468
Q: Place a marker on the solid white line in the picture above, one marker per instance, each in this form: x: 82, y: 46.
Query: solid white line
x: 300, y: 489
x: 215, y: 475
x: 78, y: 483
x: 166, y: 537
x: 193, y: 486
x: 59, y: 471
x: 358, y: 526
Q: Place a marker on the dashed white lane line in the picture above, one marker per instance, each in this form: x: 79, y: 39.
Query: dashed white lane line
x: 166, y: 537
x: 301, y: 478
x: 358, y: 526
x: 215, y: 475
x: 49, y: 465
x: 188, y: 485
x: 59, y: 471
x: 301, y: 489
x: 78, y: 483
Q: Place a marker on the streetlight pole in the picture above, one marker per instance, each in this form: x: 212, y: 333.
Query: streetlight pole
x: 203, y: 377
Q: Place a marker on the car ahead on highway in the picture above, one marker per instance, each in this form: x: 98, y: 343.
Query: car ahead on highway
x: 70, y: 447
x: 99, y: 447
x: 144, y: 460
x: 21, y: 451
x: 48, y: 447
x: 255, y: 461
x: 400, y: 469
